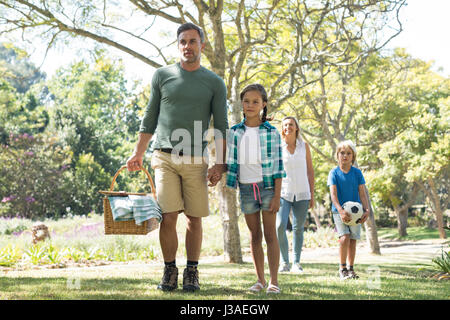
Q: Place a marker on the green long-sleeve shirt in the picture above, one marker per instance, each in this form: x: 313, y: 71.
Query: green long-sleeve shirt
x: 180, y: 108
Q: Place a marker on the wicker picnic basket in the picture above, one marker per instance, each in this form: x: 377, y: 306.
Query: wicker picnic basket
x: 126, y: 227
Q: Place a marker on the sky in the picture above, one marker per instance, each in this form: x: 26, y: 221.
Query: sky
x: 425, y: 36
x: 426, y: 31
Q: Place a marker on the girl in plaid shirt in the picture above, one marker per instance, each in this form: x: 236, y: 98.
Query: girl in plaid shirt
x: 255, y: 163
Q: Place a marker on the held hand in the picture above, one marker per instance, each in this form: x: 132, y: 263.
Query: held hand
x: 215, y: 174
x: 134, y: 163
x: 345, y: 216
x: 365, y: 216
x: 213, y: 180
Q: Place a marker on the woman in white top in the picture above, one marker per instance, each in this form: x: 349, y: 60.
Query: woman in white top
x: 297, y: 192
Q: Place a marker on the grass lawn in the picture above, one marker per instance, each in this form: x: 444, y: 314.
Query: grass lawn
x: 414, y: 234
x: 394, y: 275
x: 220, y: 281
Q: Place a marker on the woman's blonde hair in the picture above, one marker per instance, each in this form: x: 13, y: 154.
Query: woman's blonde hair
x: 344, y: 145
x: 297, y: 134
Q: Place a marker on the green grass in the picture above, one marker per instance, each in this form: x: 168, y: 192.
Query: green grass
x: 27, y: 276
x: 414, y: 234
x: 221, y: 282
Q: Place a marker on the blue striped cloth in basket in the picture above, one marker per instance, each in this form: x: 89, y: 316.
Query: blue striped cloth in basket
x: 134, y: 207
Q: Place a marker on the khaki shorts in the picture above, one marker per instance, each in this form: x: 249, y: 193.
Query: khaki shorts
x: 181, y: 186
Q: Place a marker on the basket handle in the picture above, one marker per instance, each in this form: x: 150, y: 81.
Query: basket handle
x: 141, y: 168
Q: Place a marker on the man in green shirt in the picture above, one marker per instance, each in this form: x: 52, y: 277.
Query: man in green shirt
x: 183, y: 98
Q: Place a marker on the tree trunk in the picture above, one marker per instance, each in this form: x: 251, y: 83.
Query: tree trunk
x: 402, y: 220
x: 434, y: 198
x: 227, y: 196
x: 231, y: 236
x: 371, y: 228
x: 371, y: 233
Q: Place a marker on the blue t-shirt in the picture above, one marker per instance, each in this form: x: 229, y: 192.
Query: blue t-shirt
x: 347, y: 184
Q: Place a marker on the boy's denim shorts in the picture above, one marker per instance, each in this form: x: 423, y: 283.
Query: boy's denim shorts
x: 250, y: 195
x: 342, y: 228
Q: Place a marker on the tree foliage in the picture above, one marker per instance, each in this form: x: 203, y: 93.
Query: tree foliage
x: 319, y: 60
x: 93, y: 112
x: 62, y: 140
x: 412, y: 137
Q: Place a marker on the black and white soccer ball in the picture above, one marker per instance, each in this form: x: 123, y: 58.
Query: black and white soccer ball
x: 355, y: 210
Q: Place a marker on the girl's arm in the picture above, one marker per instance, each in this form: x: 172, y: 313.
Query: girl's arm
x: 275, y: 203
x: 310, y: 172
x: 365, y: 202
x: 334, y: 198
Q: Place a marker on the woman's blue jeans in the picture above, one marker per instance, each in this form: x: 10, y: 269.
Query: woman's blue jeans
x: 300, y: 211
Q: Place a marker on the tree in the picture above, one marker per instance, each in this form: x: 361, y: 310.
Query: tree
x: 413, y: 123
x: 430, y: 160
x: 281, y: 44
x: 93, y: 112
x: 20, y: 113
x: 21, y: 108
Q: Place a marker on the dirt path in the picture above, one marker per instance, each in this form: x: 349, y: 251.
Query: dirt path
x: 392, y: 251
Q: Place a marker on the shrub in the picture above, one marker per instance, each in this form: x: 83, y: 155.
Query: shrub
x: 32, y: 176
x: 88, y: 178
x: 10, y: 255
x: 442, y: 263
x: 14, y: 226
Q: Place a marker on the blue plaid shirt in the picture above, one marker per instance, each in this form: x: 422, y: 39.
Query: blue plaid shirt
x: 271, y: 154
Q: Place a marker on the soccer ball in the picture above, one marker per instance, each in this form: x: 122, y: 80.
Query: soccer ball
x: 355, y: 210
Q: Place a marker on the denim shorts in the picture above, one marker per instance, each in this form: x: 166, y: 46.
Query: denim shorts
x: 250, y: 195
x: 342, y: 228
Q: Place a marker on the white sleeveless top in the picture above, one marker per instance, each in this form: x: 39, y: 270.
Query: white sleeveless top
x: 295, y: 184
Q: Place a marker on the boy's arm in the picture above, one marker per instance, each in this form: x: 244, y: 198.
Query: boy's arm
x: 334, y: 198
x: 365, y: 202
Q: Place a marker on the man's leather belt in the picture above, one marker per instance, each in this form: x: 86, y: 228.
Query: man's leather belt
x: 168, y: 150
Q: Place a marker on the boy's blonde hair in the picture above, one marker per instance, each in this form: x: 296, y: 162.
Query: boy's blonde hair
x: 344, y: 145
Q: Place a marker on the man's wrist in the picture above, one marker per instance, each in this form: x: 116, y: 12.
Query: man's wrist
x: 139, y: 155
x: 221, y: 166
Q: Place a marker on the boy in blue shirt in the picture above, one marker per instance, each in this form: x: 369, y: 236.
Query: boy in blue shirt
x: 346, y: 183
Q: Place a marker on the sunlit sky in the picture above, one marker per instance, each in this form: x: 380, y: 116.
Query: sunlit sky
x: 426, y: 36
x: 426, y: 31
